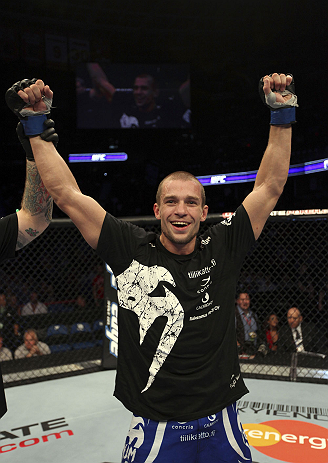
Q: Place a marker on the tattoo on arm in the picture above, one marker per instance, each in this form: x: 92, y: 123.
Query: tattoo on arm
x: 37, y: 204
x: 36, y: 199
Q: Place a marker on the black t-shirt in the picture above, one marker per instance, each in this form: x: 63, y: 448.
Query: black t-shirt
x: 8, y: 240
x: 177, y: 351
x: 169, y: 112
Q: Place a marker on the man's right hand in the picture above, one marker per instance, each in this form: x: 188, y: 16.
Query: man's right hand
x: 31, y: 101
x: 29, y: 95
x: 37, y: 96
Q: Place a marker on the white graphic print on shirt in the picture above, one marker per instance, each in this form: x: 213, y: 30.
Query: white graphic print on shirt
x: 135, y: 285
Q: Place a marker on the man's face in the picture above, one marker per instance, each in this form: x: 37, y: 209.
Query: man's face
x: 294, y: 317
x: 1, y: 343
x: 29, y: 341
x: 244, y: 301
x: 144, y: 93
x: 180, y: 212
x: 2, y: 300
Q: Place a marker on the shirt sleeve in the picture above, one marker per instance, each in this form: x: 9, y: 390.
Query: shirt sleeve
x: 237, y: 234
x: 44, y: 348
x: 8, y: 236
x: 118, y: 242
x: 19, y: 352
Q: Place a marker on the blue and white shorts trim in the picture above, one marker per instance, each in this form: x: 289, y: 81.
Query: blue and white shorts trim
x: 217, y: 438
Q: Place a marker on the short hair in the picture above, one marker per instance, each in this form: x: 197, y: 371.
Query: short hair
x: 31, y: 331
x: 242, y: 292
x: 151, y: 79
x: 180, y: 175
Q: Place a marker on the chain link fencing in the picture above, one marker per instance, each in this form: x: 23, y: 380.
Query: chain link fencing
x: 286, y: 268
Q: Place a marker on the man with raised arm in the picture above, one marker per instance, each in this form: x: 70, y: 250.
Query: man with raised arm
x: 178, y: 368
x: 20, y: 228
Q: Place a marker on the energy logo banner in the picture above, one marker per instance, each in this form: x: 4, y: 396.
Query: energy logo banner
x: 290, y: 441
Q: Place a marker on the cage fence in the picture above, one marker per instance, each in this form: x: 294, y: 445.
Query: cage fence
x: 62, y: 279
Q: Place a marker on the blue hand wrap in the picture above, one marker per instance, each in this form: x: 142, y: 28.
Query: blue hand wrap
x: 33, y: 125
x: 283, y: 116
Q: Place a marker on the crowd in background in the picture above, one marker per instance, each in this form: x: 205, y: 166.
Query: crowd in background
x: 26, y: 316
x: 264, y: 313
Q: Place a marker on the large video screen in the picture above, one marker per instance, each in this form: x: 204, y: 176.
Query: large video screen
x: 113, y: 96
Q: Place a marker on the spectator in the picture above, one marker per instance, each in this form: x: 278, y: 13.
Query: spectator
x: 246, y: 325
x: 13, y: 304
x: 272, y: 332
x: 5, y: 353
x: 15, y: 336
x: 32, y: 347
x: 34, y: 307
x: 297, y: 336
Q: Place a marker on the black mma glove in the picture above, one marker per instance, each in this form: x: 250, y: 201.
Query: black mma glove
x: 32, y: 121
x: 48, y: 134
x: 281, y: 113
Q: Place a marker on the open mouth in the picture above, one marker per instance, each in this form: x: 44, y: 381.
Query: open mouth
x: 180, y: 225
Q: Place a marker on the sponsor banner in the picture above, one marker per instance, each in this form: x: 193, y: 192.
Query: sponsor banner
x: 110, y: 344
x: 289, y: 441
x: 264, y: 409
x: 15, y: 441
x: 280, y: 432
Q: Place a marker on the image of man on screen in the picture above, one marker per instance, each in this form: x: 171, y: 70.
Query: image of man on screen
x: 142, y: 106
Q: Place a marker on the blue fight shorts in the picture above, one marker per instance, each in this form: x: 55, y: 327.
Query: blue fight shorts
x: 217, y: 438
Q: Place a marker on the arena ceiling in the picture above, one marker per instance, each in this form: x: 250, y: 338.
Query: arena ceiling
x: 189, y: 18
x: 205, y: 33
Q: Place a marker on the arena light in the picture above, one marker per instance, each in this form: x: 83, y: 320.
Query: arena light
x: 97, y: 157
x: 310, y: 167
